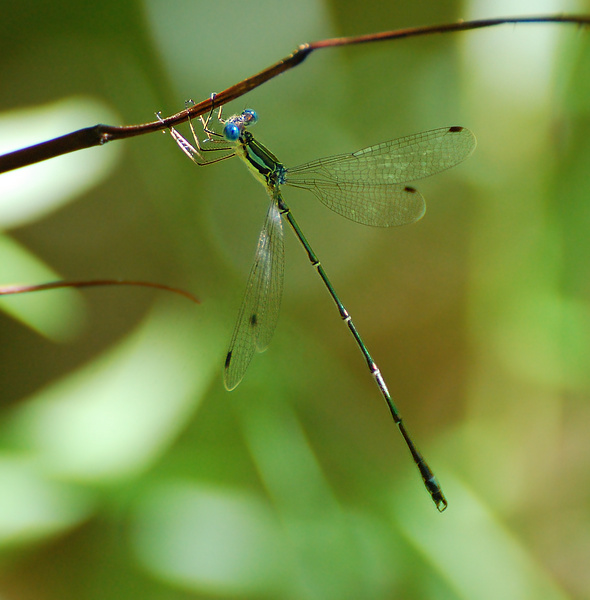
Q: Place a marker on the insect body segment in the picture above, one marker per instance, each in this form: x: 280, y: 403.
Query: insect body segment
x: 369, y: 186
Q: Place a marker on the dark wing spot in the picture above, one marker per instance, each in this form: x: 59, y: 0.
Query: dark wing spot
x: 253, y: 319
x: 228, y: 359
x: 455, y: 129
x: 410, y: 190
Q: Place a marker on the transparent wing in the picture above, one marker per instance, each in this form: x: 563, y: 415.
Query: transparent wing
x: 368, y: 186
x: 260, y: 308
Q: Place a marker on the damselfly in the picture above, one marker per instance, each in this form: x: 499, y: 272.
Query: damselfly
x: 368, y: 186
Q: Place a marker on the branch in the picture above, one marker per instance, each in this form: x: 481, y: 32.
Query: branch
x: 101, y: 134
x: 6, y: 290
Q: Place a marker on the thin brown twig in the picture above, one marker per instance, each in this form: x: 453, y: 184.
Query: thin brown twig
x: 6, y: 290
x: 101, y: 134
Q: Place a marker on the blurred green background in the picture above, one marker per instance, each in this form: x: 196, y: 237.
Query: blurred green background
x: 127, y: 471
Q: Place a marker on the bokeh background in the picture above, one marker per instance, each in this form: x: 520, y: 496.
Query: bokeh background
x: 127, y: 471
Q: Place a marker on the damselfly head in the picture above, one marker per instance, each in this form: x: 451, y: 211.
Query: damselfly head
x: 231, y: 130
x: 249, y: 117
x: 234, y: 125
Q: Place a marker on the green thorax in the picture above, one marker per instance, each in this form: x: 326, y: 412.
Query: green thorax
x: 263, y: 164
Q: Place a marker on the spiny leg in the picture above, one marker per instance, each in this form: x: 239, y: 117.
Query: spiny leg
x: 212, y: 136
x: 195, y: 153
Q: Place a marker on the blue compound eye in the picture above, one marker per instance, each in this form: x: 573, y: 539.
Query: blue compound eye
x: 249, y: 116
x: 231, y: 131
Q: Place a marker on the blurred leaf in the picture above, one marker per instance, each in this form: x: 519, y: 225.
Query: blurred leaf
x: 33, y: 506
x: 57, y: 315
x: 33, y: 192
x: 474, y: 552
x: 212, y: 540
x: 113, y: 417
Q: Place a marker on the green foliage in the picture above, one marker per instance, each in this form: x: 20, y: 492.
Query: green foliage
x: 128, y: 472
